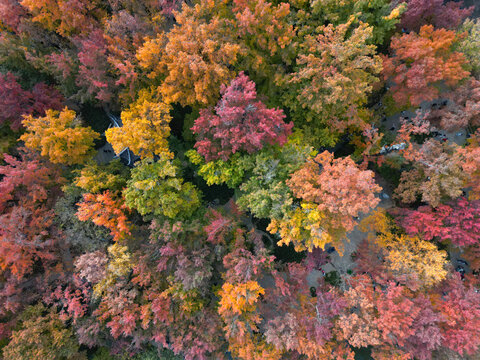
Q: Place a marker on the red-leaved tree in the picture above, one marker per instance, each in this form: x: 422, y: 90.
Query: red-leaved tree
x: 457, y: 221
x: 240, y: 123
x: 442, y: 14
x: 15, y: 102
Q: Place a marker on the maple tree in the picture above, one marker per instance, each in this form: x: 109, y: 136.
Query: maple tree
x: 420, y: 62
x: 241, y: 123
x: 124, y: 34
x: 380, y: 15
x: 461, y: 112
x: 11, y: 14
x: 81, y: 236
x: 94, y: 70
x: 207, y: 53
x: 145, y: 127
x: 359, y: 327
x: 328, y: 209
x: 460, y: 307
x: 230, y: 172
x: 456, y: 221
x: 28, y: 189
x: 95, y: 178
x: 415, y: 259
x: 267, y: 38
x: 264, y: 191
x: 42, y: 334
x: 60, y: 136
x: 440, y: 14
x: 335, y: 72
x: 66, y: 17
x: 409, y: 259
x: 15, y: 102
x: 470, y: 45
x: 427, y: 180
x: 154, y: 188
x: 106, y: 209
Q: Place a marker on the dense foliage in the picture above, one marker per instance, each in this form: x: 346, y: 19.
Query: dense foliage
x: 239, y: 179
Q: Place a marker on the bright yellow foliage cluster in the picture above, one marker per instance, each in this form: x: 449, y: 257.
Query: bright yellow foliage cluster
x: 60, y: 136
x: 145, y: 127
x: 407, y: 256
x: 304, y: 228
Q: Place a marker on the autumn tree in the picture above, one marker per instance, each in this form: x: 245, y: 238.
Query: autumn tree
x: 238, y: 307
x: 194, y: 58
x: 95, y: 178
x: 318, y: 182
x: 380, y: 15
x: 106, y: 209
x: 409, y: 259
x: 396, y: 321
x: 304, y: 322
x: 420, y: 62
x: 359, y: 327
x: 268, y: 38
x: 124, y: 34
x: 438, y: 13
x: 264, y: 191
x: 15, y: 101
x: 333, y: 193
x: 66, y: 17
x: 231, y: 172
x: 154, y: 188
x: 145, y: 127
x: 11, y: 14
x: 94, y: 75
x: 29, y: 188
x: 81, y: 236
x: 471, y: 164
x: 462, y: 110
x: 336, y: 70
x: 241, y: 123
x: 470, y: 45
x: 456, y: 222
x: 460, y: 308
x: 426, y: 180
x: 60, y: 136
x: 44, y: 335
x: 415, y: 260
x: 32, y: 248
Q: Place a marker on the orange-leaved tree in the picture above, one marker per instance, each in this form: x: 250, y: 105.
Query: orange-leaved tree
x: 106, y: 210
x: 333, y: 193
x: 421, y: 62
x: 194, y: 58
x: 60, y: 136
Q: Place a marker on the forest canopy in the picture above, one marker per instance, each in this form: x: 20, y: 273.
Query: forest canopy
x: 239, y: 179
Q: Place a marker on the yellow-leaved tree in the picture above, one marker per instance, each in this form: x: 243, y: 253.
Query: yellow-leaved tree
x: 407, y: 257
x: 145, y: 127
x: 60, y: 136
